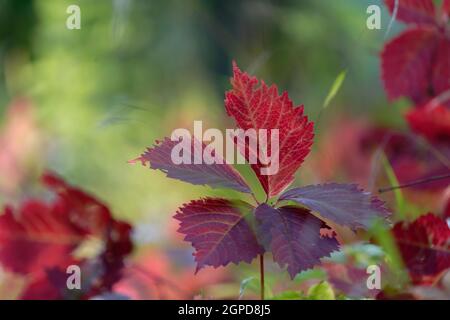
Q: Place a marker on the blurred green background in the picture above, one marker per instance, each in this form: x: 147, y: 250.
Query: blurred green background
x: 138, y: 69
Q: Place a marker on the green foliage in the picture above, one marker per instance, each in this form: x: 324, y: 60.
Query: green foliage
x: 321, y: 291
x: 335, y: 88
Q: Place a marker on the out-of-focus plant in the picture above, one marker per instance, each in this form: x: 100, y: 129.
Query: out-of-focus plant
x: 41, y: 239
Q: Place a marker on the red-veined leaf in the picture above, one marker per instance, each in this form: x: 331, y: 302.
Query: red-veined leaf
x: 293, y: 235
x: 219, y: 230
x: 261, y: 107
x: 344, y: 204
x: 215, y: 175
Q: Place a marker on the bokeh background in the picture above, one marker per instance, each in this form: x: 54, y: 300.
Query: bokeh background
x: 83, y: 102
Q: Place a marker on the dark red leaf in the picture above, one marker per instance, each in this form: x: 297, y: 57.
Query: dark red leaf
x: 407, y: 63
x: 425, y: 246
x: 215, y: 175
x: 293, y: 236
x: 36, y: 237
x: 447, y: 209
x: 261, y: 107
x: 219, y: 230
x: 441, y: 69
x: 344, y: 204
x: 414, y: 11
x: 446, y: 7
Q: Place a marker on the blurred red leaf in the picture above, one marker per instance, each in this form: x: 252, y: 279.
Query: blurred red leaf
x: 414, y: 11
x: 441, y: 69
x: 432, y: 122
x: 40, y: 237
x: 446, y: 211
x: 416, y: 63
x: 411, y: 158
x: 446, y: 7
x: 425, y: 247
x: 156, y: 275
x: 407, y: 63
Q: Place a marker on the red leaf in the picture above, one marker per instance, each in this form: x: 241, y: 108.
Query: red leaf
x: 446, y: 7
x: 446, y: 205
x: 433, y: 122
x: 95, y: 217
x: 349, y: 278
x: 215, y: 175
x: 219, y: 230
x: 344, y: 204
x: 414, y: 11
x: 36, y: 238
x: 40, y: 237
x: 441, y: 69
x: 261, y: 107
x: 293, y: 236
x: 407, y: 62
x: 425, y: 246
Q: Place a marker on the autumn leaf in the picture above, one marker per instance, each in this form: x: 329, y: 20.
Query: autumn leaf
x: 441, y: 69
x: 425, y: 246
x: 39, y: 239
x: 293, y: 235
x: 432, y: 122
x: 344, y: 204
x: 446, y: 7
x: 414, y: 11
x: 415, y: 64
x: 220, y: 231
x: 35, y: 239
x: 261, y: 107
x: 407, y: 62
x: 209, y: 172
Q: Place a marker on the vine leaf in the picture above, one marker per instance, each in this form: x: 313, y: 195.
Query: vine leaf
x: 293, y: 235
x: 344, y: 204
x: 208, y: 172
x: 220, y: 230
x: 261, y: 107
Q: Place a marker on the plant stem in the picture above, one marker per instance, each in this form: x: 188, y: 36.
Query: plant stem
x: 254, y: 198
x: 261, y: 273
x: 415, y: 183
